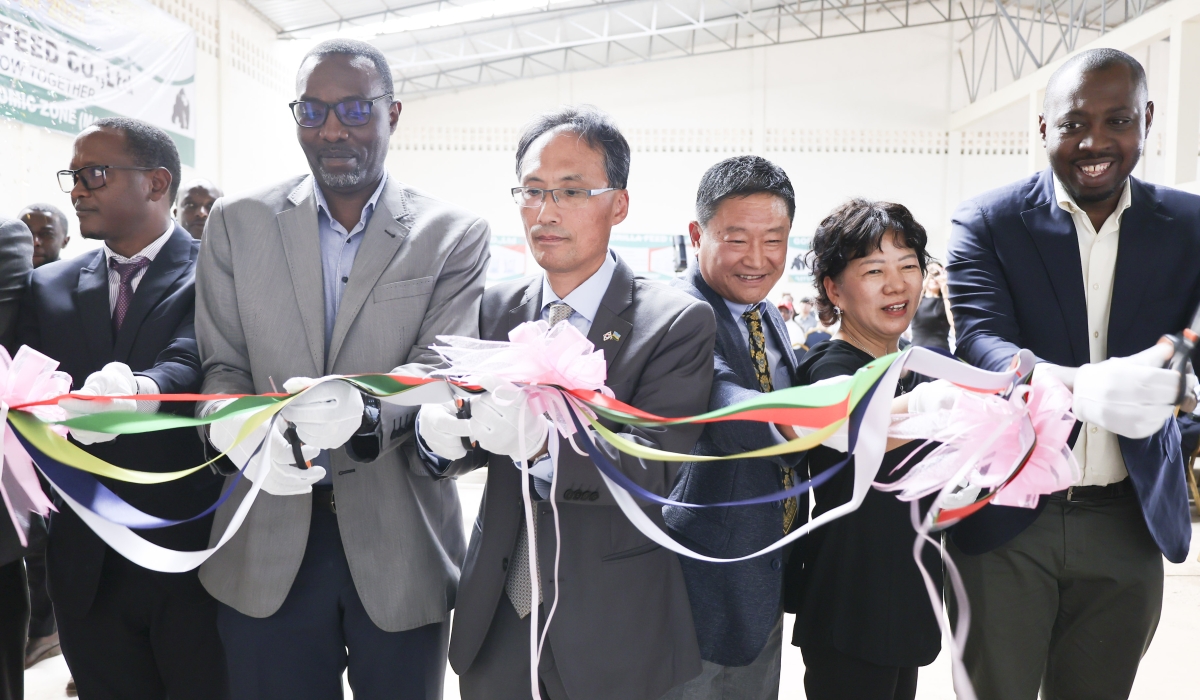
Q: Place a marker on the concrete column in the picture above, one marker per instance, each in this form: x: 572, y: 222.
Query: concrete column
x: 1037, y: 150
x: 1182, y: 118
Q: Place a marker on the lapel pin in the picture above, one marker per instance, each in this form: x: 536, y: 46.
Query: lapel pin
x: 612, y: 335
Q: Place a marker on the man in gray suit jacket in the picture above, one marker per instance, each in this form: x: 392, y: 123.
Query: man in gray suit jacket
x: 622, y: 627
x: 344, y: 271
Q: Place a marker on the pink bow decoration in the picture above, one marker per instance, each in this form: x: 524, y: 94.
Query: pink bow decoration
x: 984, y: 440
x: 29, y: 377
x: 536, y: 357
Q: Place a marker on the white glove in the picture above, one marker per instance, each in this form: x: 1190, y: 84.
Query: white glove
x: 495, y: 427
x: 1130, y: 396
x: 442, y: 431
x: 933, y: 396
x: 116, y: 379
x: 327, y: 415
x: 281, y: 477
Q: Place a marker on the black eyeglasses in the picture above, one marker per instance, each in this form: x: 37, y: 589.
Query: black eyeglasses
x: 310, y: 113
x: 92, y: 176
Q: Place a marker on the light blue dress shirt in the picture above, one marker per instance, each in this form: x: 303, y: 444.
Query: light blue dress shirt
x: 339, y: 247
x: 585, y: 299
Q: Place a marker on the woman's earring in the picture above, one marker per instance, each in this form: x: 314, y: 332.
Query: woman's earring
x: 837, y: 311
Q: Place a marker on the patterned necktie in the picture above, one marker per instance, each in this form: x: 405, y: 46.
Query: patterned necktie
x: 126, y: 270
x: 762, y: 370
x: 517, y: 584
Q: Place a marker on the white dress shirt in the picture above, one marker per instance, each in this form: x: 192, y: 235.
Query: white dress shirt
x: 1096, y: 449
x: 114, y: 277
x: 145, y: 385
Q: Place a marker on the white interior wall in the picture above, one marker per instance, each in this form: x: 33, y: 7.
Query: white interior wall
x: 855, y: 116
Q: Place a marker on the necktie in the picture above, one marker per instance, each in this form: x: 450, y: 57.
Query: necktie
x: 762, y: 370
x: 126, y: 270
x: 517, y: 584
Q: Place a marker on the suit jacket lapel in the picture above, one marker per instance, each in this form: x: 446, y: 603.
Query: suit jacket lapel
x: 528, y: 310
x: 1144, y: 240
x: 381, y: 241
x: 610, y: 332
x: 169, y: 265
x: 91, y: 298
x: 780, y: 331
x: 1053, y: 233
x: 302, y: 247
x: 729, y: 337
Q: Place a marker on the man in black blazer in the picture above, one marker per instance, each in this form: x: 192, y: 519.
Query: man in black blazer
x: 744, y: 209
x: 1087, y: 267
x: 16, y: 262
x: 121, y: 317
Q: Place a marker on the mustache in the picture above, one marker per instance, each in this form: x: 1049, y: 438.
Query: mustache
x: 337, y: 153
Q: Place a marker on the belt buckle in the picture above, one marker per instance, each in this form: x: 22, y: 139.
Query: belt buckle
x: 1070, y: 492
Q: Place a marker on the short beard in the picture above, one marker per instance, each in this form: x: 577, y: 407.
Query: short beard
x: 341, y: 181
x: 1094, y: 198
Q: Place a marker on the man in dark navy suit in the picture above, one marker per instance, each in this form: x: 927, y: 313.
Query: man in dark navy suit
x: 1087, y: 267
x: 744, y: 210
x: 121, y: 318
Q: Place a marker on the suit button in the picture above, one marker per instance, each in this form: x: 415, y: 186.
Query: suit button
x: 776, y: 564
x: 504, y: 564
x: 776, y: 505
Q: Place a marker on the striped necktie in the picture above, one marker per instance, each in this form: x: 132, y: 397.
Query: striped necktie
x: 762, y: 370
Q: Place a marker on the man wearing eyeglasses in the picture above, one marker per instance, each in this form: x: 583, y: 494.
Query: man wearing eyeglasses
x: 120, y: 320
x: 353, y: 562
x: 621, y: 626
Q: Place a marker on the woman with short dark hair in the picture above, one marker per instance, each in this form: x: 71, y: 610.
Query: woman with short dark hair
x: 864, y: 621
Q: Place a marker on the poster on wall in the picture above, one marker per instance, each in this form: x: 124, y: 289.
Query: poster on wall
x: 63, y: 65
x: 797, y: 272
x: 650, y: 254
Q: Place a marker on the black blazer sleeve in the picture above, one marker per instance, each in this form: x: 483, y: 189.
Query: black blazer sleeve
x: 16, y: 265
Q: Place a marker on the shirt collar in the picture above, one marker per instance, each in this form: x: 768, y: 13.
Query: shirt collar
x: 368, y: 208
x: 1067, y: 203
x: 737, y: 309
x: 149, y: 252
x: 585, y: 299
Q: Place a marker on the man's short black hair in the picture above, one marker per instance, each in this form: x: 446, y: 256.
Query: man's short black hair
x: 596, y: 128
x: 741, y: 176
x: 1098, y: 60
x: 355, y: 49
x: 149, y: 145
x: 54, y: 212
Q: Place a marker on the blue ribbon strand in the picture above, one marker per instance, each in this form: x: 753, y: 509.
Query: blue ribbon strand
x: 606, y: 466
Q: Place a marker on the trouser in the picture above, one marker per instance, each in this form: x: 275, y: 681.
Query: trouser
x: 757, y: 681
x: 501, y: 668
x: 147, y: 636
x: 831, y: 675
x: 41, y: 612
x: 321, y: 630
x: 14, y: 617
x: 1067, y: 607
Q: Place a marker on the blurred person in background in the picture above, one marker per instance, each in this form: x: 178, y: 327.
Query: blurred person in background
x: 48, y: 225
x: 933, y: 323
x: 16, y: 262
x: 787, y: 313
x: 196, y: 198
x: 806, y: 315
